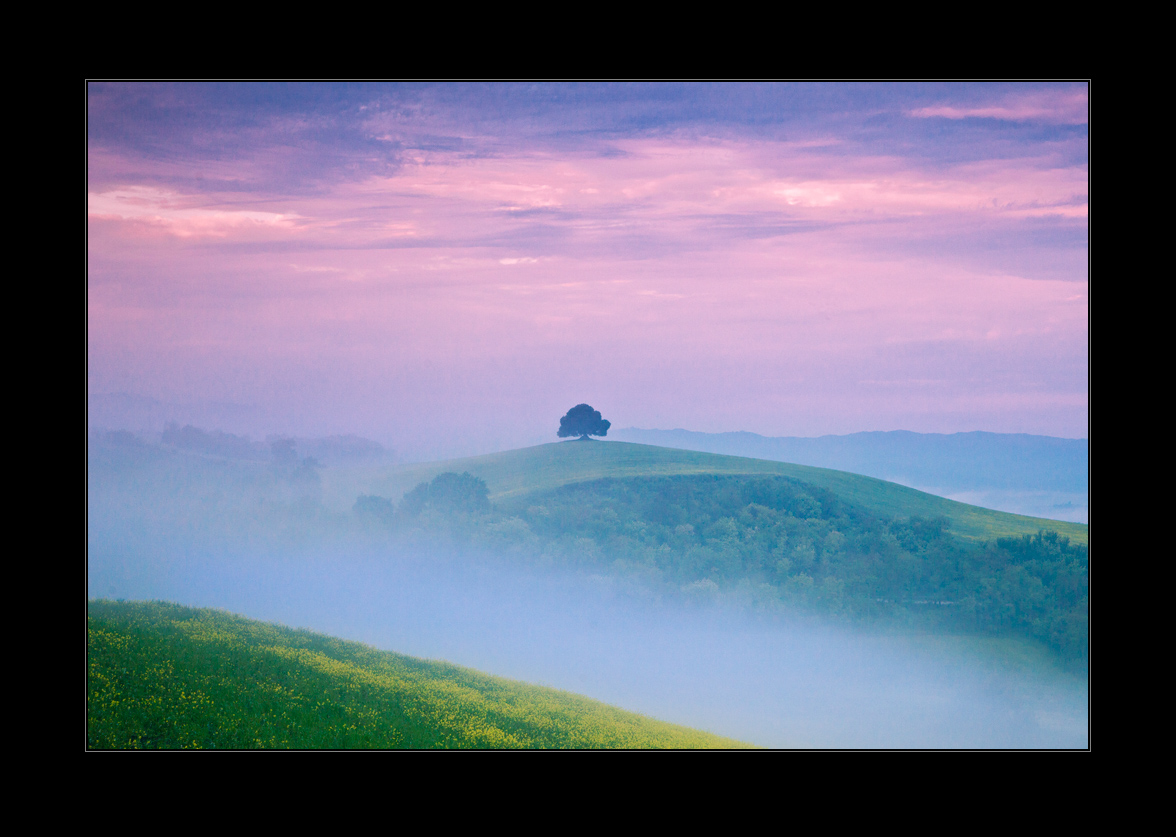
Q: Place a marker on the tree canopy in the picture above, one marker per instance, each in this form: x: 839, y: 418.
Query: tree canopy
x: 449, y: 492
x: 583, y: 421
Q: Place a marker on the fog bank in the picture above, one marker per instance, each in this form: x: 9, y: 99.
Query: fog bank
x: 766, y: 680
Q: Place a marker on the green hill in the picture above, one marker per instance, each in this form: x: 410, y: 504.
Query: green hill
x: 165, y: 676
x: 677, y: 522
x: 514, y: 474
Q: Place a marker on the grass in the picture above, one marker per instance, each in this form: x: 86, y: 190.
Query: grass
x: 165, y: 676
x: 512, y: 474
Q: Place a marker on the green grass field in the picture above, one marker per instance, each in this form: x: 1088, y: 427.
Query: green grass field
x: 513, y: 474
x: 166, y: 676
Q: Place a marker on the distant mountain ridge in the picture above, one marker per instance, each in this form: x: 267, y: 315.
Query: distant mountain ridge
x: 1039, y: 476
x: 973, y: 460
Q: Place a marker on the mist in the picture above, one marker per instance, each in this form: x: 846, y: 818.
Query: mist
x: 772, y: 679
x: 294, y: 291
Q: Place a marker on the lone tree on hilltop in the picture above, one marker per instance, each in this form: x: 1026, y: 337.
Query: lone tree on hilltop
x: 583, y: 421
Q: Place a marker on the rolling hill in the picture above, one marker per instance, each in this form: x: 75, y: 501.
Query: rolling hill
x: 164, y: 676
x: 960, y: 460
x: 687, y: 527
x: 680, y: 522
x: 511, y: 475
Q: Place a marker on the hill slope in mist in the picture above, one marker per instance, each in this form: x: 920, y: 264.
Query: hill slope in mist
x: 513, y: 474
x: 165, y: 676
x: 665, y: 581
x: 781, y: 535
x: 1041, y: 476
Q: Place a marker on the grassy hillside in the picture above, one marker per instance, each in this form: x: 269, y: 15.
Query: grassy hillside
x: 165, y: 676
x: 512, y: 474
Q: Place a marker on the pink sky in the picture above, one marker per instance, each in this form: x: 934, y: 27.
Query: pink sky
x: 459, y: 296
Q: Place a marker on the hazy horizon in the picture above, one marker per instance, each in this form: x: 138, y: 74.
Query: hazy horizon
x: 447, y: 266
x: 144, y: 415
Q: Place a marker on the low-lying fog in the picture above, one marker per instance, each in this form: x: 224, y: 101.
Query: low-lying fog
x: 761, y: 679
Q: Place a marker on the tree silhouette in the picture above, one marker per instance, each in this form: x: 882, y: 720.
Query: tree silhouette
x: 583, y: 421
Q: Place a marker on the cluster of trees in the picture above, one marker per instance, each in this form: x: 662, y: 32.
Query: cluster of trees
x: 447, y: 495
x: 791, y: 541
x: 344, y: 450
x: 282, y: 453
x: 215, y: 442
x: 329, y: 449
x: 1037, y: 584
x: 302, y: 471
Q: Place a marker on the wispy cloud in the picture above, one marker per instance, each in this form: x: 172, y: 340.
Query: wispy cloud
x: 704, y: 258
x: 182, y: 215
x: 1064, y: 107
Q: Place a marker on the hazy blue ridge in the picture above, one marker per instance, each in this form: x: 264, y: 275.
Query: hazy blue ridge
x: 1041, y: 476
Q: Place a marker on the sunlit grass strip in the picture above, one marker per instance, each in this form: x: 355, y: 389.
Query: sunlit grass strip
x: 165, y: 676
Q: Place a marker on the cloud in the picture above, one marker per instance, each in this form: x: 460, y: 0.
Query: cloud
x: 180, y: 215
x: 1067, y: 107
x: 514, y: 243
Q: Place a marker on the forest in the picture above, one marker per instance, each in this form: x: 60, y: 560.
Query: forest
x: 769, y: 540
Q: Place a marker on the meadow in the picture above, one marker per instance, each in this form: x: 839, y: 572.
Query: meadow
x: 162, y: 676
